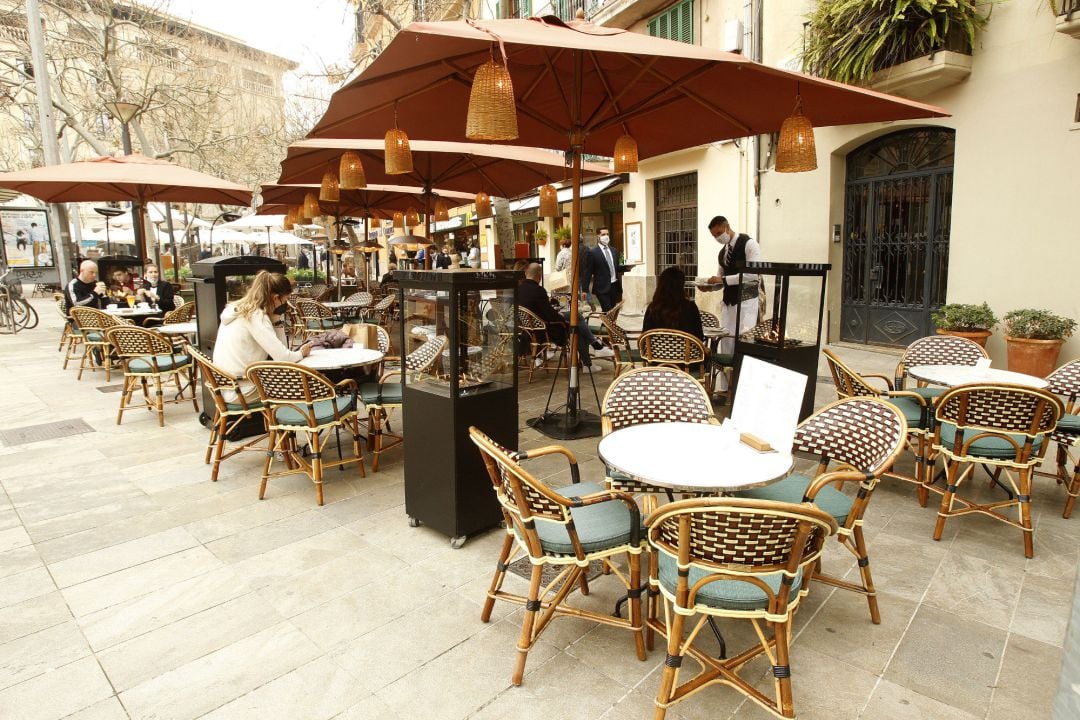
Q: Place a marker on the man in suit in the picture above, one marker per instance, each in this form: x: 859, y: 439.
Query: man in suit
x: 442, y: 259
x: 531, y: 295
x: 601, y: 272
x: 302, y: 261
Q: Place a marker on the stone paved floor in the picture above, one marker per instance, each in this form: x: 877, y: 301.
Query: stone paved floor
x: 131, y: 586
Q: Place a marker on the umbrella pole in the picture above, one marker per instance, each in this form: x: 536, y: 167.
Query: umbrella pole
x: 572, y: 391
x: 172, y: 238
x: 367, y: 270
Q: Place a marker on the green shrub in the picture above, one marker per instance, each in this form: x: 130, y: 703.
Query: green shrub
x: 964, y: 318
x: 1038, y: 325
x: 562, y: 233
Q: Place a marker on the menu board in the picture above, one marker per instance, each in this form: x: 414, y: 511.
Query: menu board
x: 768, y: 402
x: 27, y: 243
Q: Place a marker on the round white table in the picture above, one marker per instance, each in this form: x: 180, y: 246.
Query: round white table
x: 952, y: 375
x: 338, y: 358
x: 131, y: 312
x: 184, y: 328
x: 344, y: 305
x: 691, y: 456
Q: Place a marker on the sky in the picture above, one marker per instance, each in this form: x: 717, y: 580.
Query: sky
x: 314, y: 33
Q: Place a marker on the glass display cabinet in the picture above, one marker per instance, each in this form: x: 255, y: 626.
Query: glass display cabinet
x: 787, y: 332
x: 473, y: 381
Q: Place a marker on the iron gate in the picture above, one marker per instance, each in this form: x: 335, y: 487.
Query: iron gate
x: 897, y: 214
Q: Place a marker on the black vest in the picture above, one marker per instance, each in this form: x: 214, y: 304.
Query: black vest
x: 734, y: 265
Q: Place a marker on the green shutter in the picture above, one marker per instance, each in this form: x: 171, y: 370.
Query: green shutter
x: 677, y: 23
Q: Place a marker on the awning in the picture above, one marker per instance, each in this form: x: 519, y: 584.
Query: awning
x: 589, y: 189
x: 456, y: 222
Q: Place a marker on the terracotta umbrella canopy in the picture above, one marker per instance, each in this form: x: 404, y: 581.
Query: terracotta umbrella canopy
x: 132, y: 178
x: 375, y: 201
x: 580, y: 87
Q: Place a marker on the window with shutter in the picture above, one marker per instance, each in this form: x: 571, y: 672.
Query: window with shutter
x: 676, y: 23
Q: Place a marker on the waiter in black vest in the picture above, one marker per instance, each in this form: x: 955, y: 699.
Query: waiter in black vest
x: 736, y: 250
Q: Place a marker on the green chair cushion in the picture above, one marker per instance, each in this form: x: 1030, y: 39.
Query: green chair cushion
x: 723, y: 594
x: 987, y: 447
x: 928, y: 393
x: 252, y: 405
x: 164, y: 362
x: 1069, y: 424
x: 388, y: 393
x: 95, y: 336
x: 323, y: 409
x: 910, y: 409
x: 599, y: 527
x: 792, y: 489
x: 724, y: 359
x: 324, y: 324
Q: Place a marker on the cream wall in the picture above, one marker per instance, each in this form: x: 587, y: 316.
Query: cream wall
x: 1015, y: 239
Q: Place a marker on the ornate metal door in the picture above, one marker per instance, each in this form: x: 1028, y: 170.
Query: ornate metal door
x: 898, y: 209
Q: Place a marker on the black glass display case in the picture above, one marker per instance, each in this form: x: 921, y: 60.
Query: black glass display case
x: 473, y: 382
x: 787, y: 331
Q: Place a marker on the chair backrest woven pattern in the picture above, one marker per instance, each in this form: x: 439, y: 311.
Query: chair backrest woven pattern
x: 131, y: 341
x: 313, y: 310
x: 60, y: 308
x: 670, y: 347
x: 938, y: 350
x: 651, y: 395
x: 862, y: 432
x: 285, y: 382
x: 528, y: 320
x: 529, y: 502
x: 91, y: 319
x: 616, y: 335
x: 183, y: 313
x: 422, y: 358
x: 1066, y: 381
x: 216, y: 378
x: 1004, y: 408
x: 361, y: 298
x: 848, y: 382
x: 708, y: 319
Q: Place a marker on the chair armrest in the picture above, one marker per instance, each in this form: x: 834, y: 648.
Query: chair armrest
x: 389, y: 373
x: 923, y: 402
x: 887, y: 380
x: 575, y: 473
x: 837, y: 477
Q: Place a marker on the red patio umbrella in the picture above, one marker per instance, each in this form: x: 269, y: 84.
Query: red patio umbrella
x: 581, y: 87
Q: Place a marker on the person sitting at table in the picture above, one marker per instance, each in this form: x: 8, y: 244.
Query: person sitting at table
x: 156, y: 291
x: 670, y: 309
x: 120, y: 284
x: 253, y: 329
x: 531, y: 295
x: 85, y: 290
x: 388, y: 276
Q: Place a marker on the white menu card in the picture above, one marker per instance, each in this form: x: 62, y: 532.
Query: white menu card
x: 768, y: 401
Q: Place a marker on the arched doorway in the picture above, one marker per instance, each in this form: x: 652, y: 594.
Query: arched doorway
x: 897, y: 213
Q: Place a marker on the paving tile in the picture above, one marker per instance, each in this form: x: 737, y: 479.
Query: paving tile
x: 583, y: 692
x: 842, y: 629
x: 899, y: 703
x: 25, y: 585
x: 13, y: 538
x: 193, y: 689
x: 975, y: 652
x: 41, y: 652
x: 976, y: 588
x: 113, y: 589
x: 370, y: 708
x: 296, y: 557
x: 18, y: 560
x: 1028, y: 680
x: 129, y: 506
x: 108, y: 560
x: 56, y: 694
x: 1042, y: 612
x: 33, y: 615
x: 249, y: 516
x: 904, y: 567
x: 107, y: 709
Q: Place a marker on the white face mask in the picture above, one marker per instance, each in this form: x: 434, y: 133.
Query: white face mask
x: 604, y: 239
x: 723, y: 238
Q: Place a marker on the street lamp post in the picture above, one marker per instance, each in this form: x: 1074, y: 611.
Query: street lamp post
x: 227, y: 217
x: 125, y: 112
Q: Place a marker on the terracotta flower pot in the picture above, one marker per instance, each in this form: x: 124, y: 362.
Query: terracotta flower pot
x: 1033, y: 357
x: 978, y: 336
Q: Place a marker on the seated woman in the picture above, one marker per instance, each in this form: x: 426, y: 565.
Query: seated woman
x: 670, y: 309
x: 253, y: 329
x: 156, y: 291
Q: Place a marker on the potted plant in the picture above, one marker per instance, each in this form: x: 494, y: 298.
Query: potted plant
x: 541, y: 236
x: 1034, y: 339
x: 562, y: 233
x: 970, y: 321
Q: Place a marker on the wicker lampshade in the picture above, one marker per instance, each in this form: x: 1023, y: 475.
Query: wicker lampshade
x: 549, y: 202
x: 399, y: 220
x: 795, y: 150
x: 412, y: 218
x: 328, y: 192
x: 483, y: 205
x: 626, y: 158
x: 311, y: 206
x: 351, y: 172
x: 398, y: 155
x: 442, y: 211
x: 290, y: 218
x: 492, y: 113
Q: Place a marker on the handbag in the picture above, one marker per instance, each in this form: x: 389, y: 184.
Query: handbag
x: 558, y: 280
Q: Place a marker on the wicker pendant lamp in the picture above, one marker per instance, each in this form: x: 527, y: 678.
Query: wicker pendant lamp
x: 483, y: 205
x: 492, y: 112
x: 549, y: 202
x: 398, y: 155
x: 290, y: 218
x: 351, y: 172
x: 328, y: 191
x: 399, y: 220
x: 442, y: 211
x: 626, y: 155
x: 311, y: 206
x: 795, y: 150
x: 412, y: 218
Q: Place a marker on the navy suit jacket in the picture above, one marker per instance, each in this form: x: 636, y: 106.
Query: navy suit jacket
x: 597, y: 273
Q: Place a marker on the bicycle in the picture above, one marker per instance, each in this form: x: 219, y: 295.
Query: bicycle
x: 15, y: 311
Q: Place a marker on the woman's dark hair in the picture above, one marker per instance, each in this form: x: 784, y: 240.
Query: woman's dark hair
x: 669, y: 298
x: 566, y: 242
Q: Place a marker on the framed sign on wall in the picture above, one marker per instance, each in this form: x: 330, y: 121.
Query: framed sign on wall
x: 632, y: 242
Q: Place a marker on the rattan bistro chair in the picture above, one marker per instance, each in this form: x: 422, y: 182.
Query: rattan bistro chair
x: 71, y: 336
x: 381, y: 397
x: 675, y: 348
x: 1065, y: 382
x: 181, y: 314
x: 732, y: 558
x: 855, y: 441
x: 568, y: 528
x: 936, y: 350
x: 316, y: 317
x: 300, y: 400
x: 917, y: 409
x: 626, y: 352
x: 228, y: 414
x: 651, y: 395
x: 1006, y: 427
x: 147, y: 356
x: 537, y: 344
x: 361, y: 298
x: 93, y: 325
